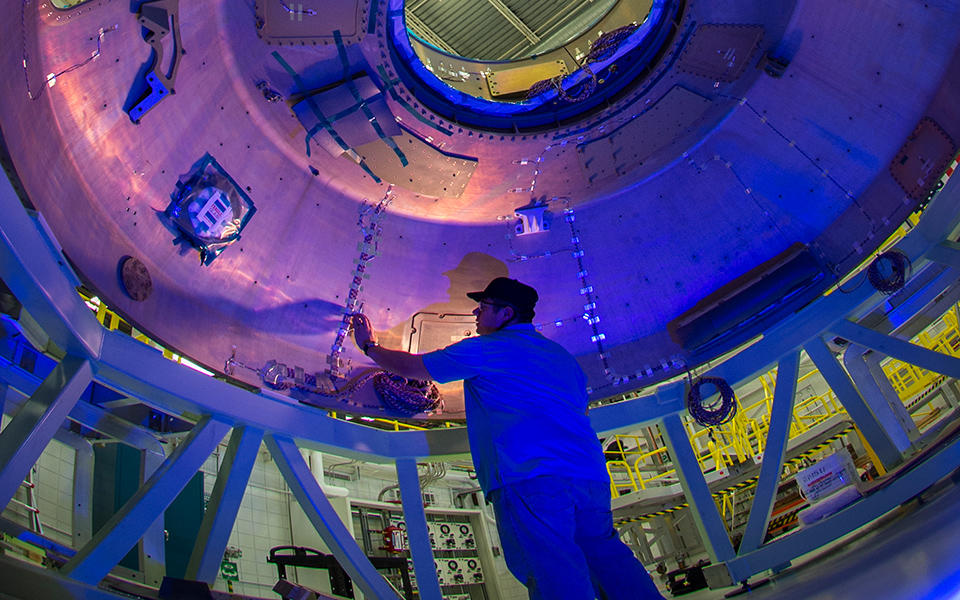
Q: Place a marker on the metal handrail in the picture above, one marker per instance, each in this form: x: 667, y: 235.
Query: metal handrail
x: 748, y: 435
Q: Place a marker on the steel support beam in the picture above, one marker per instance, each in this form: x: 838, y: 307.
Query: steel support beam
x: 23, y: 579
x: 777, y: 435
x: 36, y: 272
x: 232, y: 478
x: 423, y: 30
x: 945, y: 253
x: 883, y: 407
x: 624, y: 416
x: 906, y: 485
x: 417, y: 533
x: 914, y: 313
x: 872, y: 360
x: 121, y: 532
x: 135, y: 369
x: 853, y: 402
x: 897, y: 348
x: 34, y: 425
x: 325, y: 519
x: 702, y: 506
x: 515, y: 20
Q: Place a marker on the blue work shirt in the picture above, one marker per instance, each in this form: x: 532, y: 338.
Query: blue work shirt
x: 526, y: 403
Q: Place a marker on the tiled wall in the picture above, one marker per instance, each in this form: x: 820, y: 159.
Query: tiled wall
x: 509, y: 586
x: 263, y: 521
x: 54, y: 481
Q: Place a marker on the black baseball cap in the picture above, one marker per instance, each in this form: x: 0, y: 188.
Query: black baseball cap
x: 509, y: 291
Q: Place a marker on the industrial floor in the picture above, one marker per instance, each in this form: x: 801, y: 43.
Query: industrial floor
x: 910, y: 554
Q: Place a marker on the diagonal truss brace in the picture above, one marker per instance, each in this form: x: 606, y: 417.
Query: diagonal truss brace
x: 417, y: 531
x: 92, y: 562
x: 221, y: 512
x: 883, y: 400
x: 704, y: 509
x: 325, y: 519
x: 38, y: 420
x: 897, y: 348
x: 858, y: 409
x: 773, y: 453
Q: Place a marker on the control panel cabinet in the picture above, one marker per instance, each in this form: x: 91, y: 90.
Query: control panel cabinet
x: 453, y: 539
x: 459, y: 567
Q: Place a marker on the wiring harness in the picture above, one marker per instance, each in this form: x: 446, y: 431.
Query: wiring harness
x: 888, y: 272
x: 601, y: 49
x: 714, y: 413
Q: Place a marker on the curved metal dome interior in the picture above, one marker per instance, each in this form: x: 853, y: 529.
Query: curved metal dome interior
x: 762, y: 151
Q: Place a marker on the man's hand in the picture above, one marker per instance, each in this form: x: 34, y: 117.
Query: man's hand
x: 395, y: 361
x: 362, y: 330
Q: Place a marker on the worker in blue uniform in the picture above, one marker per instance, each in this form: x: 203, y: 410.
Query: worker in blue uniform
x: 537, y: 459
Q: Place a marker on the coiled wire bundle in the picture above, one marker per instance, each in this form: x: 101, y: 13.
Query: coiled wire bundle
x: 717, y: 412
x: 576, y: 93
x: 402, y: 395
x: 408, y: 396
x: 888, y: 272
x: 605, y: 45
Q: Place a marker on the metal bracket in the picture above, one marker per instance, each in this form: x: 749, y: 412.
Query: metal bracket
x: 160, y: 18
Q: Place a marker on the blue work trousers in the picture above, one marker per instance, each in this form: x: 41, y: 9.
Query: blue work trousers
x: 558, y: 539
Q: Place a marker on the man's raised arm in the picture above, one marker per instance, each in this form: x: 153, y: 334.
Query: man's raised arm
x: 396, y: 361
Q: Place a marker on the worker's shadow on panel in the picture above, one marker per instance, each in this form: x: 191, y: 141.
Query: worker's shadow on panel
x: 474, y: 272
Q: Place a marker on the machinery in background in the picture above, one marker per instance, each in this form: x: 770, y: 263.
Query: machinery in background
x: 458, y: 557
x: 340, y: 583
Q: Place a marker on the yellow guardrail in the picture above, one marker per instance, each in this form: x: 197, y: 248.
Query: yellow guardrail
x: 911, y: 381
x: 744, y: 436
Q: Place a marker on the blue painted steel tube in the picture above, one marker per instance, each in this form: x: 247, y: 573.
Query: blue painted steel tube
x: 92, y: 562
x: 946, y: 253
x: 137, y: 370
x: 31, y: 268
x: 232, y: 478
x: 702, y: 506
x: 883, y: 406
x: 857, y: 408
x: 325, y: 519
x: 38, y: 420
x: 897, y: 348
x: 907, y: 485
x: 417, y: 533
x: 777, y: 435
x: 82, y: 484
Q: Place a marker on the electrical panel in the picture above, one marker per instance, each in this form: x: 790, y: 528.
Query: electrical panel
x: 447, y: 540
x: 451, y: 535
x: 473, y: 572
x: 464, y: 537
x: 455, y: 555
x: 453, y: 542
x: 456, y: 571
